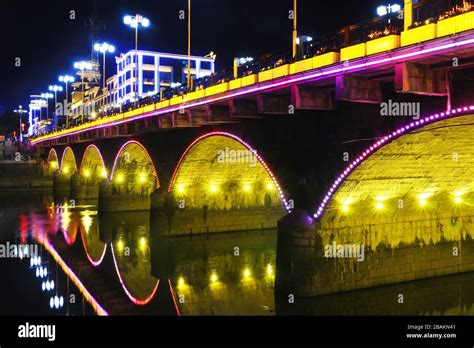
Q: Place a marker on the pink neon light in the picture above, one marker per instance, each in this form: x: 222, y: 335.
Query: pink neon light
x: 97, y: 307
x: 287, y: 81
x: 396, y: 134
x: 91, y: 260
x: 146, y: 153
x: 174, y: 298
x: 64, y: 155
x: 225, y: 134
x: 92, y: 146
x: 136, y: 301
x: 55, y: 154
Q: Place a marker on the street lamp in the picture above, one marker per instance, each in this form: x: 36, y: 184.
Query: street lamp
x: 66, y: 79
x: 20, y: 111
x: 82, y: 66
x: 47, y: 96
x: 55, y: 89
x: 135, y: 22
x: 104, y: 48
x: 189, y: 45
x: 295, y: 32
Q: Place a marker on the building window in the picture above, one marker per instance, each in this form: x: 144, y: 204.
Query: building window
x: 149, y: 60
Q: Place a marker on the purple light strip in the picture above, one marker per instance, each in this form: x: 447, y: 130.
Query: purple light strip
x: 327, y: 72
x: 129, y: 295
x: 55, y: 154
x: 92, y: 146
x: 64, y: 155
x: 155, y: 173
x: 97, y: 307
x: 93, y: 263
x: 251, y: 149
x: 386, y: 140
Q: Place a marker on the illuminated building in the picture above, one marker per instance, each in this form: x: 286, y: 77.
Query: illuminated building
x: 156, y: 70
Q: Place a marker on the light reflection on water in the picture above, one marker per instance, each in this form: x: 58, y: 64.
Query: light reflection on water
x: 225, y: 274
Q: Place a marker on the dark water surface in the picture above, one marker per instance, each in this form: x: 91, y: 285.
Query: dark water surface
x: 220, y: 274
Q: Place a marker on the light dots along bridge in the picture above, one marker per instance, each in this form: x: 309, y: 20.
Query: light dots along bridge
x: 412, y: 168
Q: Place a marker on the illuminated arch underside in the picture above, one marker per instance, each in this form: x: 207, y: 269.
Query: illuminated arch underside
x: 68, y: 162
x: 92, y: 162
x: 427, y: 172
x: 133, y: 164
x: 207, y: 173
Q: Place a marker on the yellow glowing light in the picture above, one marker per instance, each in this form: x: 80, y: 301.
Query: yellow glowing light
x: 120, y: 178
x: 424, y: 196
x: 247, y: 188
x: 213, y: 188
x: 104, y: 173
x: 180, y: 281
x: 53, y: 164
x: 269, y: 270
x: 345, y: 207
x: 180, y: 188
x: 142, y: 242
x: 270, y: 186
x: 65, y: 170
x: 379, y: 205
x: 87, y: 221
x: 348, y: 201
x: 423, y: 202
x: 87, y: 173
x: 120, y: 245
x: 458, y: 199
x: 214, y: 278
x: 93, y: 115
x: 247, y: 273
x: 142, y: 178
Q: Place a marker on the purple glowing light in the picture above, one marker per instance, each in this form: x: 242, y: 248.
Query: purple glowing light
x: 132, y: 298
x: 396, y: 134
x: 341, y: 68
x: 251, y: 149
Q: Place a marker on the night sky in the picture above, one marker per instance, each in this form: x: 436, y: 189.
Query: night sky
x: 48, y: 42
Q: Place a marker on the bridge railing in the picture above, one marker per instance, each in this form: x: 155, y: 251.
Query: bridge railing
x: 424, y: 12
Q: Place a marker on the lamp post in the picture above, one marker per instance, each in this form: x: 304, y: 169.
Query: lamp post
x: 55, y: 89
x: 20, y: 111
x: 66, y: 79
x: 135, y: 22
x: 82, y: 65
x: 295, y: 32
x: 104, y: 48
x: 47, y: 96
x: 189, y: 45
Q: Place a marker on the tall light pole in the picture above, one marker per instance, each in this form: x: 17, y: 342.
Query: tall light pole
x: 20, y: 111
x: 46, y: 97
x: 135, y: 22
x: 55, y: 89
x: 82, y: 65
x: 189, y: 45
x: 66, y: 79
x: 295, y: 32
x: 104, y: 48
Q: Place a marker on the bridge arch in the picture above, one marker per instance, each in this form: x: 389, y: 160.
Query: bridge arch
x: 422, y: 170
x: 92, y: 164
x: 134, y: 169
x: 53, y: 161
x: 220, y: 162
x: 68, y: 162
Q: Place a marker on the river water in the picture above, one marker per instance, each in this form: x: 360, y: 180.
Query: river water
x: 127, y: 268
